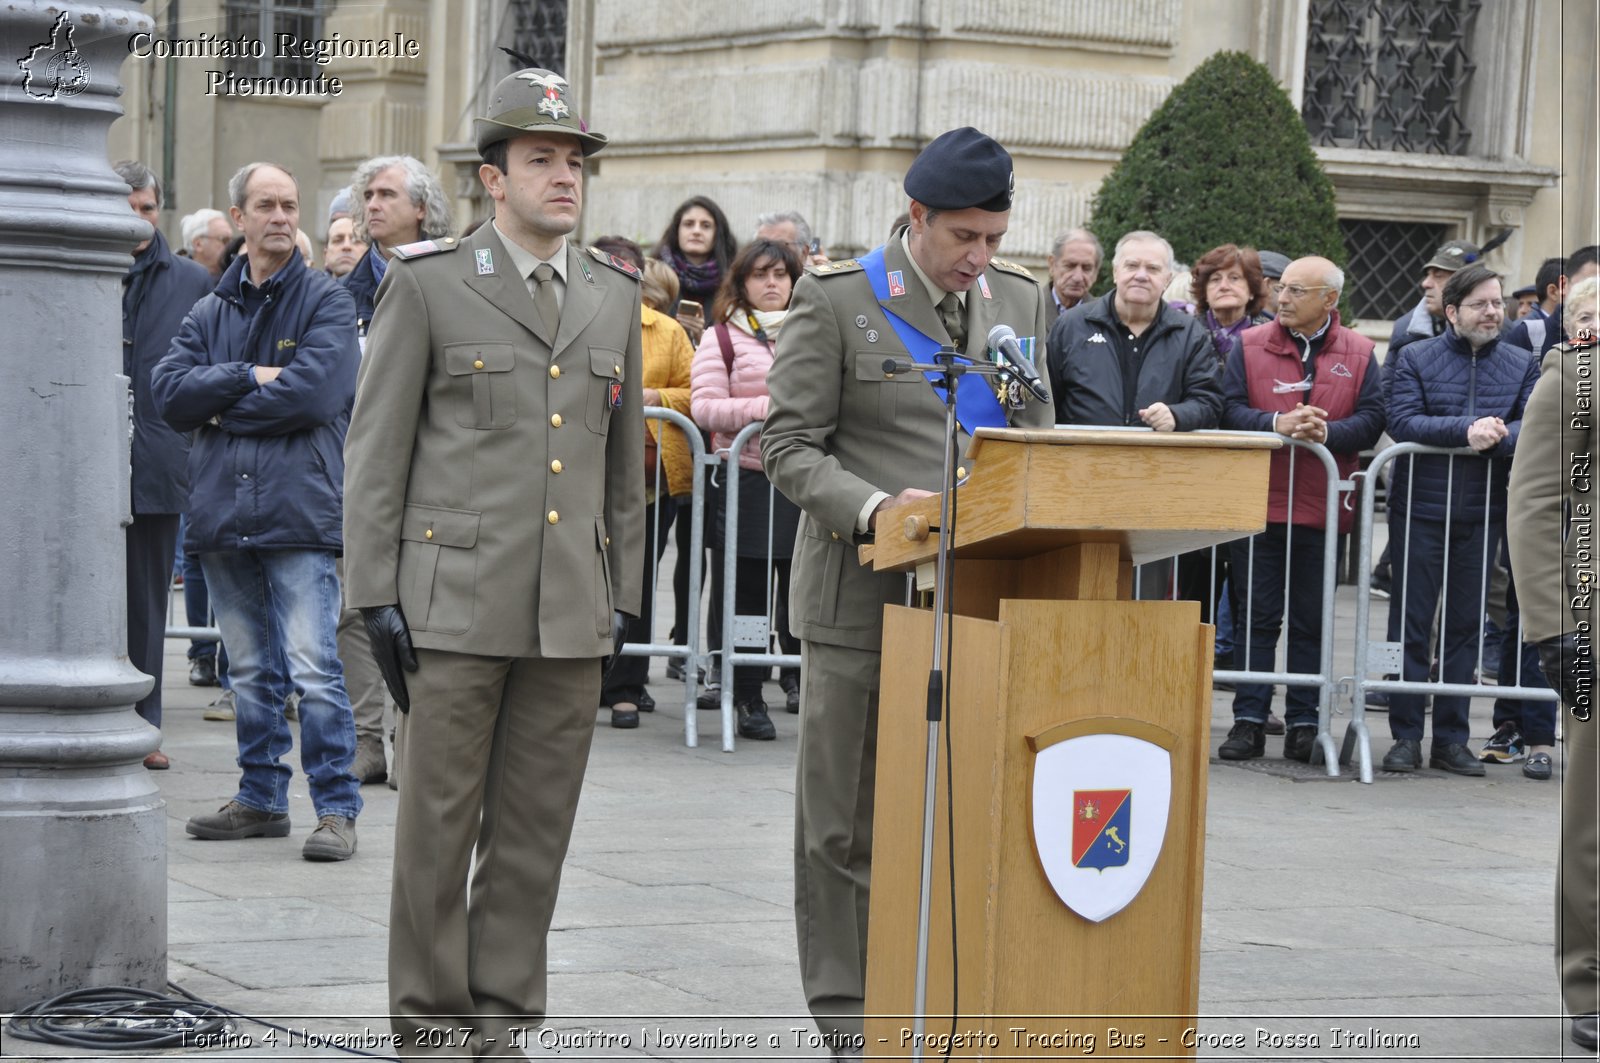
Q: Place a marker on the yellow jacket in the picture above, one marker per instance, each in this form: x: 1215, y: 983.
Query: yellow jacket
x: 667, y: 356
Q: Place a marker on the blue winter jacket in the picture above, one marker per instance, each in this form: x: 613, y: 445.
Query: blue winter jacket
x: 1437, y: 388
x: 266, y: 466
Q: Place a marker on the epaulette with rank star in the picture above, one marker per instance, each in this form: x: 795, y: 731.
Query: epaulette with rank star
x: 423, y: 248
x: 828, y: 269
x: 1011, y: 267
x: 621, y: 265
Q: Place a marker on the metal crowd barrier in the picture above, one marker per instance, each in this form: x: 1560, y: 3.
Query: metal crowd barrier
x: 1387, y: 657
x: 1324, y: 679
x: 688, y: 655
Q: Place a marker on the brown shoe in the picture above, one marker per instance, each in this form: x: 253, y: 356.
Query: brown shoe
x: 369, y: 765
x: 334, y: 839
x: 157, y: 761
x: 1274, y: 724
x: 234, y: 821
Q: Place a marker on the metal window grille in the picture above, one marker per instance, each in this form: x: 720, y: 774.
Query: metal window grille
x: 540, y: 31
x: 263, y: 20
x: 1385, y: 264
x: 1390, y: 75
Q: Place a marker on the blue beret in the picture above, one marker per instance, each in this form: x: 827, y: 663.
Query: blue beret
x: 960, y: 169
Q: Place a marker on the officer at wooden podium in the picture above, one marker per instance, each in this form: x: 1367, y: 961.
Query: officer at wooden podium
x: 845, y: 440
x: 494, y: 520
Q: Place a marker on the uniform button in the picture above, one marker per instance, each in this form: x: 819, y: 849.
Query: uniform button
x: 554, y: 517
x: 555, y: 466
x: 961, y: 472
x: 555, y: 371
x: 478, y: 364
x: 555, y: 420
x: 428, y: 534
x: 835, y: 535
x: 616, y: 370
x: 608, y: 540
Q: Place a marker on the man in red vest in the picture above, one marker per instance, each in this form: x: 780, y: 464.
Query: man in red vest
x: 1307, y: 377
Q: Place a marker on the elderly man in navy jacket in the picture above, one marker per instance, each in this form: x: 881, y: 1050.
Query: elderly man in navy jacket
x: 1463, y: 388
x: 156, y: 294
x: 263, y: 373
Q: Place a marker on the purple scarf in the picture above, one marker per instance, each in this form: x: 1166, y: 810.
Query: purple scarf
x: 1222, y: 336
x: 698, y: 281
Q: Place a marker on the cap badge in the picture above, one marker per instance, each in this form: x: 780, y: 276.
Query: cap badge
x: 553, y: 85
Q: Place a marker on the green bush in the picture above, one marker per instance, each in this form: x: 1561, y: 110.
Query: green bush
x: 1226, y: 159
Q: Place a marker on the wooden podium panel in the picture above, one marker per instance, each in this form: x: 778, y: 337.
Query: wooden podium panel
x: 1036, y: 980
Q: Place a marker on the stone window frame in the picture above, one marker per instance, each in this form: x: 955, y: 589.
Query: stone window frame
x: 1472, y: 195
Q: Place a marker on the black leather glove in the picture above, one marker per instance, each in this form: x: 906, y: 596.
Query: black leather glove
x: 391, y: 648
x: 619, y: 635
x: 1567, y: 674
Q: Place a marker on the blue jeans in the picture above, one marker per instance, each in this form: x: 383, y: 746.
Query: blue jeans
x: 1261, y: 576
x: 291, y: 597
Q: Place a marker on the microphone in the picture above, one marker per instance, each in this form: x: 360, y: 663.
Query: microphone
x: 1003, y: 339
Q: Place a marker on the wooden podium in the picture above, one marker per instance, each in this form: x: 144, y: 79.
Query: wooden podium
x: 1048, y: 649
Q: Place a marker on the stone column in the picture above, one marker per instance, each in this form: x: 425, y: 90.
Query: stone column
x: 82, y: 827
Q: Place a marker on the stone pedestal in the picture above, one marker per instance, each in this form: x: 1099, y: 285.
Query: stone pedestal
x: 82, y: 827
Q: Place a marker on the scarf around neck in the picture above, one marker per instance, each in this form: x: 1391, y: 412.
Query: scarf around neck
x: 701, y: 280
x: 762, y: 324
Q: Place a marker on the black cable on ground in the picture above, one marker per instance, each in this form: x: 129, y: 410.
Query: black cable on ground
x: 126, y: 1019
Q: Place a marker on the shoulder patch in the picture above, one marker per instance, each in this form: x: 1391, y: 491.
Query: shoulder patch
x: 828, y: 269
x: 423, y: 248
x: 1011, y: 267
x: 621, y: 265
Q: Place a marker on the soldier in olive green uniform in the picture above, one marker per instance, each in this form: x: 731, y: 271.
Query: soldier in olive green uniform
x: 843, y: 440
x: 1551, y: 526
x: 494, y: 521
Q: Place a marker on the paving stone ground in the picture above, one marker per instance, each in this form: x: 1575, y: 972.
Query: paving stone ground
x: 1415, y: 907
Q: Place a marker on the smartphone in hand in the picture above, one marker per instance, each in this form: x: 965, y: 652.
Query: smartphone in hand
x: 690, y: 308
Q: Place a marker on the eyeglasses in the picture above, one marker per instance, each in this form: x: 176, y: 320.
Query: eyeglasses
x: 1297, y: 291
x: 1481, y: 305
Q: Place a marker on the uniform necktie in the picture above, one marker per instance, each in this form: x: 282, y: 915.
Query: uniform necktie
x: 950, y: 317
x: 544, y: 297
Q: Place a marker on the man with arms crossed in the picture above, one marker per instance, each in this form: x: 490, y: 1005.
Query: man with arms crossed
x: 844, y: 442
x: 495, y: 521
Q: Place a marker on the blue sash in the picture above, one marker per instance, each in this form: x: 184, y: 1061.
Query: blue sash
x: 976, y: 405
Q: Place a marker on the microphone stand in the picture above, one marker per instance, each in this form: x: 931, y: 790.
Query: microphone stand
x: 945, y: 362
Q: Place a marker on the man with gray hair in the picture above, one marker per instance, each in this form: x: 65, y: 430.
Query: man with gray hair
x: 394, y: 201
x: 205, y: 233
x: 790, y: 227
x: 263, y: 374
x: 1074, y: 263
x: 157, y: 292
x: 397, y: 201
x: 1127, y: 358
x: 1308, y: 377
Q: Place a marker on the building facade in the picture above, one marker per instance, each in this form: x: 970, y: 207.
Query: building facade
x: 1435, y: 119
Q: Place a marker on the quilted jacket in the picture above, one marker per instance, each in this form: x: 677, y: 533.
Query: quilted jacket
x: 1437, y: 388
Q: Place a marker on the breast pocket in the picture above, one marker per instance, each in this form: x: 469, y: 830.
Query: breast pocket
x: 484, y: 382
x: 605, y: 388
x: 879, y: 393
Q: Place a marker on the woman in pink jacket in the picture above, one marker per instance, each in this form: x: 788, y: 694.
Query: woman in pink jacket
x: 728, y: 390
